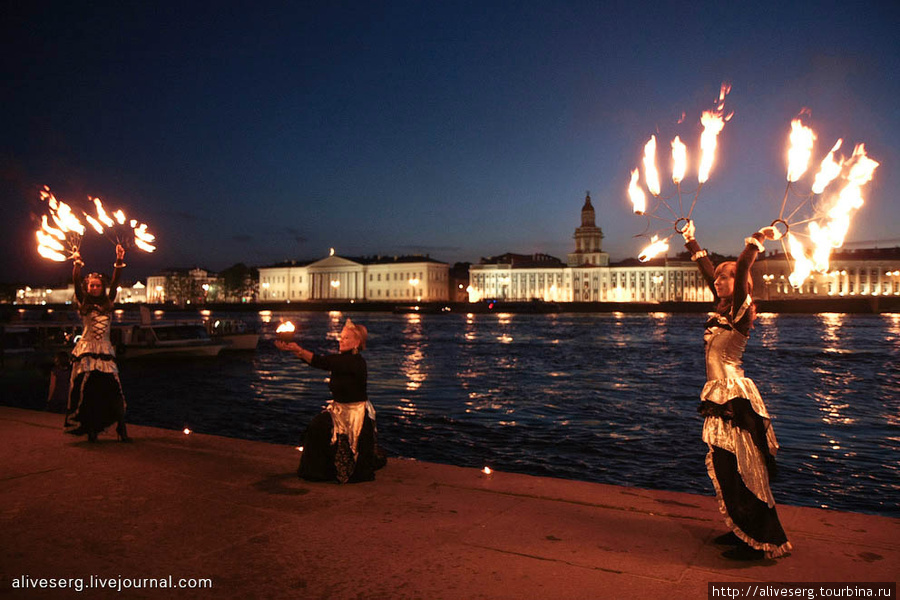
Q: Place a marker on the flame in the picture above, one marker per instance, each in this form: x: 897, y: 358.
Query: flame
x: 48, y: 240
x: 286, y: 327
x: 828, y: 171
x: 101, y: 213
x: 825, y: 237
x: 120, y: 216
x: 802, y: 138
x: 803, y: 266
x: 51, y: 254
x: 651, y: 175
x: 143, y: 238
x: 638, y: 198
x: 654, y: 249
x: 713, y: 122
x: 68, y: 229
x: 679, y: 160
x: 47, y: 228
x: 98, y: 227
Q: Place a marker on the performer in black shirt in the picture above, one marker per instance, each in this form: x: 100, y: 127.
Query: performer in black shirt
x: 340, y: 443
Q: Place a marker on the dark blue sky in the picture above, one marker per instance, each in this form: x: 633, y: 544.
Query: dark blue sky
x: 256, y: 132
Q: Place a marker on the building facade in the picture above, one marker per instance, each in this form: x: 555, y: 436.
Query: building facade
x: 184, y: 286
x: 852, y: 273
x: 136, y: 293
x: 373, y: 279
x: 587, y: 275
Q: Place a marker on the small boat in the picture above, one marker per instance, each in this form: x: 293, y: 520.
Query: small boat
x: 236, y: 333
x: 167, y: 340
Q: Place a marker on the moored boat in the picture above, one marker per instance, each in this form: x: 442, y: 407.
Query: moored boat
x: 167, y: 340
x: 236, y: 333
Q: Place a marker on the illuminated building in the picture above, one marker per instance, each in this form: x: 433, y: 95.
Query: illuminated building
x: 587, y: 276
x: 338, y: 278
x: 852, y: 273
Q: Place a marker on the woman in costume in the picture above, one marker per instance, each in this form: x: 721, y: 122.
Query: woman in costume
x: 96, y: 400
x: 737, y: 427
x: 339, y: 443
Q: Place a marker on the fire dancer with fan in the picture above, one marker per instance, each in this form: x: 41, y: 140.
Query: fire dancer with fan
x: 96, y: 400
x: 737, y: 426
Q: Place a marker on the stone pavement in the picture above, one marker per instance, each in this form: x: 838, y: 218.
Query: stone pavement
x: 201, y: 506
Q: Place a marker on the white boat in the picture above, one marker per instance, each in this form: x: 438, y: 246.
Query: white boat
x: 167, y: 340
x: 236, y: 333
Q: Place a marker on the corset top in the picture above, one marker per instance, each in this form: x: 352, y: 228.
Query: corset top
x: 724, y: 349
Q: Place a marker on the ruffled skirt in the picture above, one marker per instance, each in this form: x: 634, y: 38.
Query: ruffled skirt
x: 740, y: 462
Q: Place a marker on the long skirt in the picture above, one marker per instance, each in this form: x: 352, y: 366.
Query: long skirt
x: 753, y: 520
x: 96, y: 401
x: 323, y: 460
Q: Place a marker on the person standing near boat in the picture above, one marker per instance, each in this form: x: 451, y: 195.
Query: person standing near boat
x: 96, y: 400
x: 737, y: 426
x: 339, y: 443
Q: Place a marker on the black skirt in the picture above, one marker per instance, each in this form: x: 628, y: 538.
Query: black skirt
x: 323, y: 461
x: 96, y: 401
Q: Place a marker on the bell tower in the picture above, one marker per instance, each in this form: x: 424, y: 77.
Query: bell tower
x: 588, y: 240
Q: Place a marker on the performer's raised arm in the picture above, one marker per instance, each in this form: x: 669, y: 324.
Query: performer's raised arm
x: 77, y: 263
x: 742, y: 285
x: 117, y: 272
x: 699, y: 256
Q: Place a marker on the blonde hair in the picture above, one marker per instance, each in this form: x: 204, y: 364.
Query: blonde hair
x: 360, y: 331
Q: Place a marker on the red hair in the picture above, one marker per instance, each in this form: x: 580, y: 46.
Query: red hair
x: 725, y: 304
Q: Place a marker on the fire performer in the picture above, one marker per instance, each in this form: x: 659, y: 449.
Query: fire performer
x: 340, y: 443
x: 737, y: 427
x: 96, y: 400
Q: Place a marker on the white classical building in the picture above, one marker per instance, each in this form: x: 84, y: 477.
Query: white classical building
x: 587, y: 276
x: 338, y: 278
x: 866, y: 272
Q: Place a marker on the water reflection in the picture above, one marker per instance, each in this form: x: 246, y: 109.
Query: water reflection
x: 766, y: 328
x: 832, y: 323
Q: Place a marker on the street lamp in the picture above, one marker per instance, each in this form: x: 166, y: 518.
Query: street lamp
x: 414, y: 281
x: 335, y: 284
x: 265, y: 287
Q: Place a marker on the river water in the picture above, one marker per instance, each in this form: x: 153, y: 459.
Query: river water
x: 605, y: 397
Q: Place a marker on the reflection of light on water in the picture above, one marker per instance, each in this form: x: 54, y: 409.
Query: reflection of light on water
x: 505, y: 339
x: 659, y: 316
x: 265, y: 316
x: 766, y: 325
x: 206, y: 312
x: 504, y: 318
x: 413, y: 318
x: 893, y: 322
x: 832, y: 323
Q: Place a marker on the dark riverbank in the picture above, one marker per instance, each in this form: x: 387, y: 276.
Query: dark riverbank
x: 233, y: 513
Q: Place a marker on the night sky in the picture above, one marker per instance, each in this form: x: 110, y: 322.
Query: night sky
x: 258, y: 132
